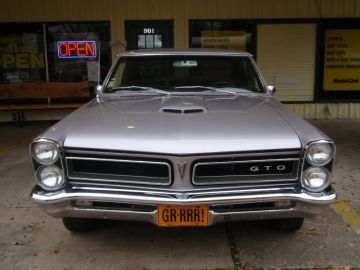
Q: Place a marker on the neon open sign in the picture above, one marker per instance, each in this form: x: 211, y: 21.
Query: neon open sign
x: 76, y: 49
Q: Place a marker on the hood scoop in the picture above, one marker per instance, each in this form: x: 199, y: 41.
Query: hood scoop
x: 183, y: 110
x: 183, y: 105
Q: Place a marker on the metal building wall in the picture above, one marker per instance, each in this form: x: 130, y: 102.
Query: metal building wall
x: 181, y: 11
x: 326, y: 110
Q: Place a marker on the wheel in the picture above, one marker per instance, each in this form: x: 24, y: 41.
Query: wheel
x: 80, y: 224
x: 287, y: 224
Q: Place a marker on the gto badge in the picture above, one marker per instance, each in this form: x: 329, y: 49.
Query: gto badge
x: 267, y: 168
x: 182, y: 166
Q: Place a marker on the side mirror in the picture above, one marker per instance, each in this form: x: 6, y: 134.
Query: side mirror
x: 98, y: 88
x: 271, y: 89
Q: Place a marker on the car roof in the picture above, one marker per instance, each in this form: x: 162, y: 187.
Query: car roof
x: 212, y: 52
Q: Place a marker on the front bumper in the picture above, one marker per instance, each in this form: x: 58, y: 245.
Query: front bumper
x: 123, y: 205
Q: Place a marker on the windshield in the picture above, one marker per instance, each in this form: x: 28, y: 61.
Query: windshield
x: 185, y: 74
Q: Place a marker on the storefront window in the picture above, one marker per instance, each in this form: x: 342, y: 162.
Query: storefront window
x: 74, y: 50
x: 339, y: 60
x: 221, y: 34
x: 21, y: 53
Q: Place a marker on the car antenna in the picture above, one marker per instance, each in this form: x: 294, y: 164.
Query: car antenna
x: 98, y: 82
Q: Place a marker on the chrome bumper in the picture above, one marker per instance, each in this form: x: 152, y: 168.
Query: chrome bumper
x: 65, y: 204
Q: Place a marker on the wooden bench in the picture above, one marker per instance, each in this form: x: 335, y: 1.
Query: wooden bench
x: 18, y: 96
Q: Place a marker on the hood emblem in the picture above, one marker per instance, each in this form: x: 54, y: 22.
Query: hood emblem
x: 182, y: 167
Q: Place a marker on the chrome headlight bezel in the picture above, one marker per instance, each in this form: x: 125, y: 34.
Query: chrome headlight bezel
x: 49, y: 143
x: 39, y: 164
x: 319, y: 188
x: 322, y: 143
x: 41, y: 181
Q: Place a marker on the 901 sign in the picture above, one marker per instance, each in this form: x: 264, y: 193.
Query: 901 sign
x: 149, y: 31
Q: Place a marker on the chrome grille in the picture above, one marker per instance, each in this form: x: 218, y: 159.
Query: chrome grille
x: 105, y: 170
x: 251, y: 172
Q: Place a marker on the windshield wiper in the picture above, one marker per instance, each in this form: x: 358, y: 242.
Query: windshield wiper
x: 205, y: 87
x: 137, y: 87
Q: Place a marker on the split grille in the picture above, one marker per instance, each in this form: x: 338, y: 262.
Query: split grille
x: 110, y: 170
x: 245, y: 171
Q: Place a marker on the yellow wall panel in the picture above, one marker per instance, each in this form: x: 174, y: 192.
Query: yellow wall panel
x: 286, y: 56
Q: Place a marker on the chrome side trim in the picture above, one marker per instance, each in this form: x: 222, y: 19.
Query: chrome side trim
x: 70, y: 176
x: 293, y: 176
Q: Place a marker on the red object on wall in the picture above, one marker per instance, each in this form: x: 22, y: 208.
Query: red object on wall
x: 76, y: 49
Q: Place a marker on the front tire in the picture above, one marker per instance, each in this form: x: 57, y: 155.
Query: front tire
x: 79, y: 224
x: 287, y: 224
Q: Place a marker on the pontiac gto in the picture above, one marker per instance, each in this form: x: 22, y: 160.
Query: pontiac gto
x: 183, y: 138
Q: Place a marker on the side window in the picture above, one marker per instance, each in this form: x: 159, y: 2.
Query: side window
x: 248, y: 76
x: 116, y: 79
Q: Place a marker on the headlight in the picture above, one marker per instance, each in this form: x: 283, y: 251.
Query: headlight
x: 319, y: 153
x: 46, y: 152
x: 50, y: 177
x: 315, y: 179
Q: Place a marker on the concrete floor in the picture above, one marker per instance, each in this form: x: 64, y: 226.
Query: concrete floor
x: 31, y: 240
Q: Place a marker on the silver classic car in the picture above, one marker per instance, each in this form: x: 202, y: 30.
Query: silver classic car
x: 183, y: 138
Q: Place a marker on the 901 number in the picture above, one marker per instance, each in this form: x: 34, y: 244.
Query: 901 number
x: 149, y: 31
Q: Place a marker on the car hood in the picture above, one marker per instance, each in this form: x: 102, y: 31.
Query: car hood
x: 178, y: 125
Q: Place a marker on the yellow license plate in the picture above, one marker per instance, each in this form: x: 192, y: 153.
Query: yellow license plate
x: 176, y: 215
